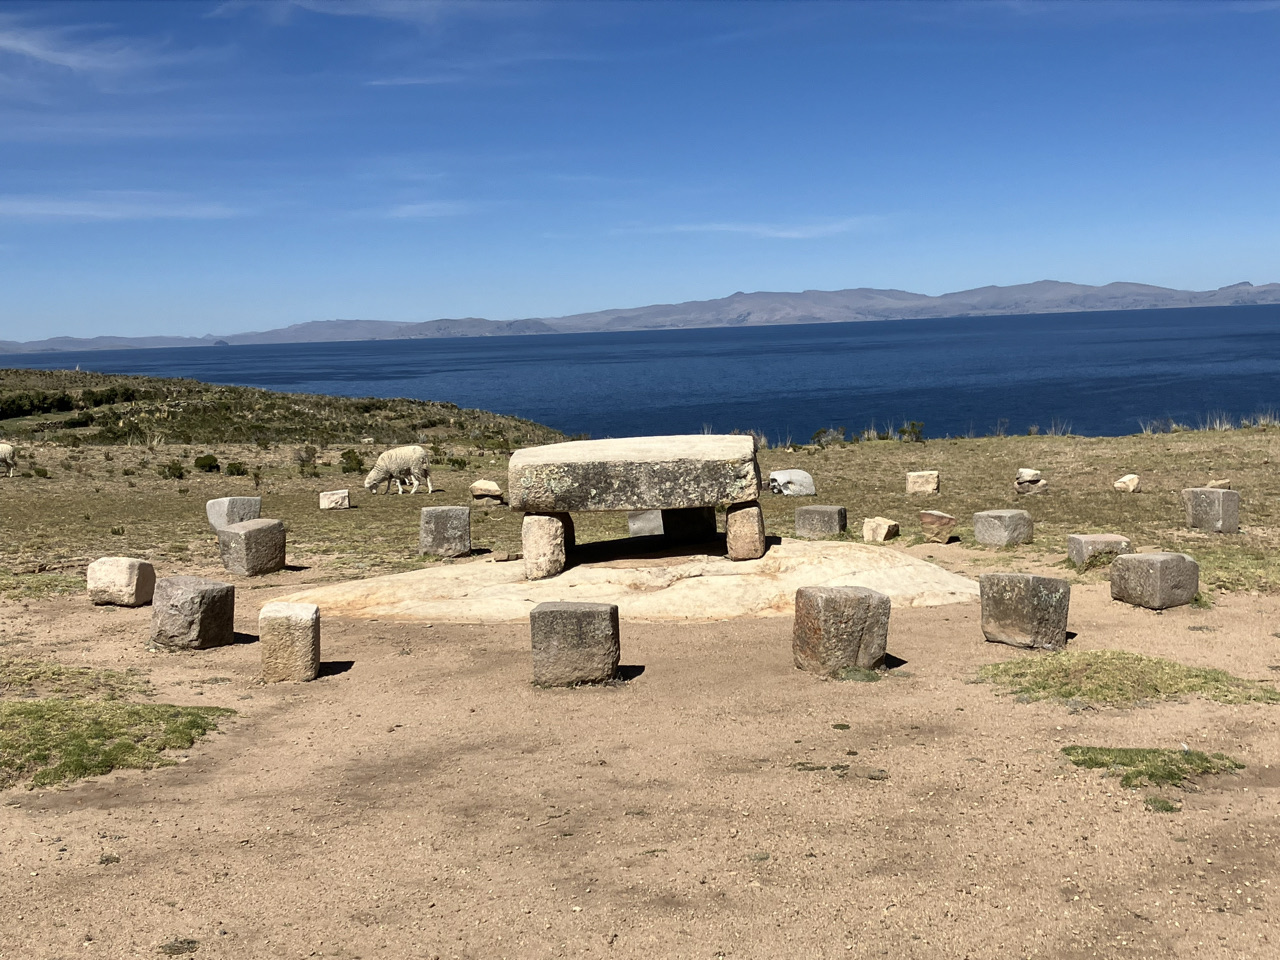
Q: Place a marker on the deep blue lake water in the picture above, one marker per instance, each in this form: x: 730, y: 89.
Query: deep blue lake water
x: 1101, y: 373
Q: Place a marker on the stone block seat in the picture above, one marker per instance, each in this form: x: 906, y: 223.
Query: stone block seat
x: 682, y: 476
x: 253, y: 548
x: 1024, y: 610
x: 1156, y: 581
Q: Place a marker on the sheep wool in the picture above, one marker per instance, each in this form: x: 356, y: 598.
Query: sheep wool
x: 397, y: 464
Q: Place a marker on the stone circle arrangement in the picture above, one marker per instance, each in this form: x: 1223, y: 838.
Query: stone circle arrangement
x: 670, y: 487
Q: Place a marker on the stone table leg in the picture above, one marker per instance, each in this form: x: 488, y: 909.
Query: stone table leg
x: 744, y: 531
x: 546, y: 539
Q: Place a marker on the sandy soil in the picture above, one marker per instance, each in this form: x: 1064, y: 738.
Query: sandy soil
x: 422, y: 800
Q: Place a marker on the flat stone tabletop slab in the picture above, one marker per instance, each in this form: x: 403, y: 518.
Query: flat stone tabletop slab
x: 634, y: 473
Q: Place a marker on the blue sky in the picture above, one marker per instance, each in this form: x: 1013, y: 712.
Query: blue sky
x: 194, y: 168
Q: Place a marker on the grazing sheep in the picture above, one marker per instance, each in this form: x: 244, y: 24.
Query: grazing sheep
x: 399, y: 463
x: 8, y: 459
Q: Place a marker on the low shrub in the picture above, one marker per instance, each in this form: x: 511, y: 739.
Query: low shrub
x: 237, y: 469
x: 208, y: 464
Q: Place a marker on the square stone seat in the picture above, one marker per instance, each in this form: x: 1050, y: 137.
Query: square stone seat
x: 634, y: 473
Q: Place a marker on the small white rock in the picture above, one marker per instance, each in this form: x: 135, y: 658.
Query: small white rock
x: 879, y: 529
x: 1027, y: 475
x: 1129, y: 483
x: 335, y: 500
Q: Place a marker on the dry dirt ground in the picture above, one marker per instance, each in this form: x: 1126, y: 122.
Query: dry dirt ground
x: 422, y: 799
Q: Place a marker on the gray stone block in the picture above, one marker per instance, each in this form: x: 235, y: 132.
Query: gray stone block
x: 1002, y: 528
x: 253, y: 547
x: 636, y: 473
x: 574, y: 643
x: 1083, y: 546
x: 839, y: 627
x: 228, y: 510
x: 1212, y: 509
x: 445, y: 532
x: 1023, y: 610
x: 644, y: 523
x: 744, y: 532
x: 820, y: 522
x: 1156, y: 581
x: 121, y: 581
x: 289, y: 636
x: 689, y: 525
x: 191, y: 613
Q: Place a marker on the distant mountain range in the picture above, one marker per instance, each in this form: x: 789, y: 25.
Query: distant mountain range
x: 738, y: 310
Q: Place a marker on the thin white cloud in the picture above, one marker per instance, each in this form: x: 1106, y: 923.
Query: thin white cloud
x: 767, y: 231
x: 112, y: 206
x: 437, y: 208
x: 425, y: 81
x: 71, y: 48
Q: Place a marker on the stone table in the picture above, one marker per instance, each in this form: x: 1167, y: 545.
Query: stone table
x: 682, y: 476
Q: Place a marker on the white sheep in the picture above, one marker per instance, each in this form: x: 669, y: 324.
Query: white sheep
x: 8, y: 459
x: 400, y: 463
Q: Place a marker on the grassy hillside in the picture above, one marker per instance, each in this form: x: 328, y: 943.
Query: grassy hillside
x: 105, y: 488
x: 71, y: 407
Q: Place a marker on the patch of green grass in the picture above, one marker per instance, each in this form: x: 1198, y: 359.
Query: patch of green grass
x: 857, y: 674
x: 1151, y: 766
x: 57, y: 741
x: 1161, y: 805
x: 1119, y: 678
x: 24, y: 677
x: 31, y: 586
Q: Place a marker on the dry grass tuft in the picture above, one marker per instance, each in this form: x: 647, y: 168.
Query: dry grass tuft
x: 1120, y: 678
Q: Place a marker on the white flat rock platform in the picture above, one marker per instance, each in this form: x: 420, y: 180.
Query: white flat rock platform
x: 686, y: 587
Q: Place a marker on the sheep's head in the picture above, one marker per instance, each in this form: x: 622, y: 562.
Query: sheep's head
x: 375, y: 477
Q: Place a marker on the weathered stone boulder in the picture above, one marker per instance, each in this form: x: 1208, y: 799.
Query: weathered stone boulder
x: 252, y: 548
x: 444, y: 532
x: 228, y: 510
x: 639, y: 473
x: 744, y: 531
x: 335, y: 500
x: 574, y: 643
x: 1156, y: 581
x: 1083, y: 546
x: 191, y: 613
x: 938, y: 527
x: 1129, y: 483
x: 879, y: 529
x: 1023, y: 610
x: 1030, y: 481
x: 923, y: 481
x: 485, y: 488
x: 289, y: 636
x: 1212, y: 509
x: 689, y: 524
x: 546, y: 540
x: 1221, y: 484
x: 644, y: 523
x: 792, y: 483
x: 121, y: 582
x: 818, y: 523
x: 1002, y: 528
x: 837, y: 628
